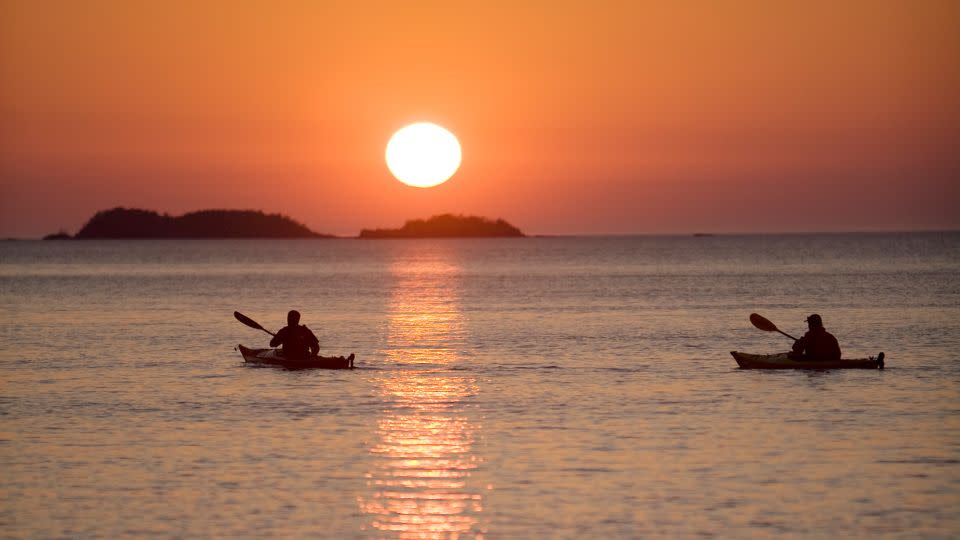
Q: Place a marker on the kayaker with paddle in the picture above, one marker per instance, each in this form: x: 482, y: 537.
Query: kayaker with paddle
x: 300, y: 347
x: 817, y: 349
x: 296, y: 339
x: 817, y: 343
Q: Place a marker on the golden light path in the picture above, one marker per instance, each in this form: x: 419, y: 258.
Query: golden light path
x: 421, y: 483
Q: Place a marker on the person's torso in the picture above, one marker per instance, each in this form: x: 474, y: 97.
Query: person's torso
x: 296, y: 341
x: 822, y: 344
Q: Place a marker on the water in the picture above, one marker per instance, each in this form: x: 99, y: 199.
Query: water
x: 521, y: 388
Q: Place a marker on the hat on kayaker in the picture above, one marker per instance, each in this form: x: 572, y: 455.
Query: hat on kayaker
x: 815, y: 320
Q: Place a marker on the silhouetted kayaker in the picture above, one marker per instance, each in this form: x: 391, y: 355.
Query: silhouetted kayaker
x: 297, y: 340
x: 817, y: 343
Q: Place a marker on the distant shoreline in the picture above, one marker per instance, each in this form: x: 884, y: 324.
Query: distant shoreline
x: 447, y: 226
x: 543, y: 236
x: 134, y: 223
x: 138, y: 224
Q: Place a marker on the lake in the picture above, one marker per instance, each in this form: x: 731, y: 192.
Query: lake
x: 506, y: 388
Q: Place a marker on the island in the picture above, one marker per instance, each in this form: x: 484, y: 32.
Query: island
x: 448, y: 226
x: 136, y: 223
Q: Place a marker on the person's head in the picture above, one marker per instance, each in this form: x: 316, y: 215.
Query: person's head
x: 293, y: 318
x: 814, y: 321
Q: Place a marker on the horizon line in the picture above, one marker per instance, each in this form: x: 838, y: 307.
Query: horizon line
x: 704, y: 234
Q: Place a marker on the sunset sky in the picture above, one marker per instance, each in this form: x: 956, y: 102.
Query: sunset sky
x: 574, y: 117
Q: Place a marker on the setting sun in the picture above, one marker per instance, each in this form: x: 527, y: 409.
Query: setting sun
x: 423, y: 155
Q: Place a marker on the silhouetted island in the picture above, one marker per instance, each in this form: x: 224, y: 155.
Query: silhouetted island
x: 136, y: 223
x: 447, y: 226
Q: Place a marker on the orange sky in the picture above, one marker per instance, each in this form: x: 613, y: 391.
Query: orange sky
x: 575, y: 117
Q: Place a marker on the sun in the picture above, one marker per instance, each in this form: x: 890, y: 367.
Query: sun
x: 423, y: 155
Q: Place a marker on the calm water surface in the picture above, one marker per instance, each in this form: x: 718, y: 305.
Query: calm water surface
x: 523, y: 388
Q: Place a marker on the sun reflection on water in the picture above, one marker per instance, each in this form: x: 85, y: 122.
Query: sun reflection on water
x: 421, y: 482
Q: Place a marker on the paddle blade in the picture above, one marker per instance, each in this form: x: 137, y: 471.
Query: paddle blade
x: 762, y: 323
x: 247, y: 320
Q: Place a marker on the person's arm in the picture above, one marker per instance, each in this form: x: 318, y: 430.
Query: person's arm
x: 314, y: 345
x: 277, y: 339
x: 800, y: 345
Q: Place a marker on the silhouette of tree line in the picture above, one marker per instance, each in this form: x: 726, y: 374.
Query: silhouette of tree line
x: 447, y: 226
x: 136, y: 223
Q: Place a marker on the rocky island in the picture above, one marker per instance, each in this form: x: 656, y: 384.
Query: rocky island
x: 136, y: 223
x: 447, y: 226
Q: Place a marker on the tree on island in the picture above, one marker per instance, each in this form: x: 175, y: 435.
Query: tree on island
x: 447, y: 226
x: 137, y: 223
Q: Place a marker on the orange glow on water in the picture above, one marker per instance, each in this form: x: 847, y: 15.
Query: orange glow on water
x: 421, y: 484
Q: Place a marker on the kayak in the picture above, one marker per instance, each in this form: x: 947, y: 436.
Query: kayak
x: 783, y: 361
x: 275, y: 357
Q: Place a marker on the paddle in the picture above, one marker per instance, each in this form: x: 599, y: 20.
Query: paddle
x: 767, y: 326
x: 250, y: 322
